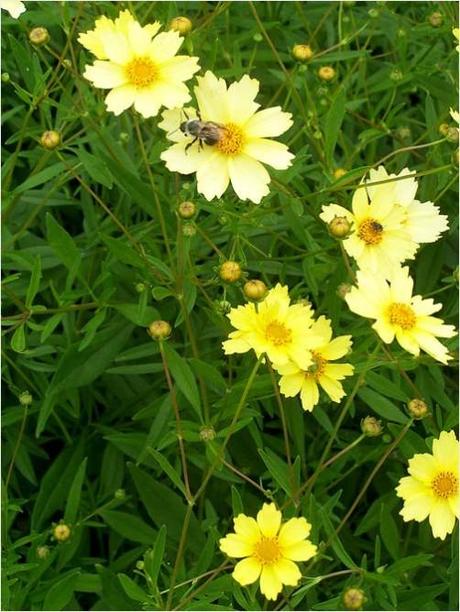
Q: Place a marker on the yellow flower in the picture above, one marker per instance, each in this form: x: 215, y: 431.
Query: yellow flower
x: 455, y: 115
x: 245, y: 140
x: 268, y: 549
x: 273, y: 327
x: 139, y: 66
x: 399, y: 314
x: 431, y: 490
x: 388, y: 223
x: 327, y: 375
x: 14, y: 7
x: 456, y: 33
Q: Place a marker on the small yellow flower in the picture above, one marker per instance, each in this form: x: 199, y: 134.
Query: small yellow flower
x: 431, y: 490
x: 398, y: 314
x: 295, y: 380
x: 456, y: 33
x: 388, y: 223
x: 139, y: 66
x: 245, y: 140
x: 268, y: 549
x: 14, y: 7
x: 273, y: 327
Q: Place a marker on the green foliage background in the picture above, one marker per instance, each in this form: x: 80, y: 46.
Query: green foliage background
x: 87, y: 268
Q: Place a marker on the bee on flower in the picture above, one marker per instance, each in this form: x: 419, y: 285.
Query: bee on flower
x: 431, y: 489
x: 138, y: 65
x: 273, y: 327
x: 399, y: 314
x: 321, y: 373
x: 268, y: 549
x: 228, y: 140
x: 388, y: 224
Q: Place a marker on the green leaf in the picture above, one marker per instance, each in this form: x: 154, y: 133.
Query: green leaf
x: 332, y: 124
x: 336, y: 544
x: 237, y: 504
x: 34, y: 282
x: 73, y: 501
x: 382, y: 406
x: 60, y: 594
x: 154, y: 558
x: 18, y: 339
x: 41, y: 177
x: 129, y: 526
x: 278, y: 469
x: 62, y: 244
x: 168, y: 469
x: 183, y: 376
x: 96, y: 169
x: 389, y: 533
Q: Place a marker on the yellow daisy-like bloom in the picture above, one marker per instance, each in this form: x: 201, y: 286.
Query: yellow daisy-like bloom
x: 268, y: 549
x: 14, y: 7
x: 398, y: 314
x: 273, y: 327
x: 139, y: 66
x: 431, y: 490
x: 244, y: 146
x: 324, y: 349
x: 388, y: 224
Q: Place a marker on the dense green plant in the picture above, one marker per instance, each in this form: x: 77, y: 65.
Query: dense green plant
x: 94, y: 251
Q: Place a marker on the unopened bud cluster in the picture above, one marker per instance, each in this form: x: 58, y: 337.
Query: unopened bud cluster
x: 230, y: 271
x: 39, y: 36
x: 353, y: 598
x: 61, y: 532
x: 326, y: 73
x: 417, y: 408
x: 180, y: 24
x: 159, y: 330
x: 186, y: 210
x: 302, y: 53
x: 50, y: 139
x: 371, y: 427
x: 339, y: 227
x: 255, y: 290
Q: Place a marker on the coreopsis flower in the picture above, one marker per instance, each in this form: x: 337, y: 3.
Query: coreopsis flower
x: 244, y: 139
x: 431, y: 490
x: 14, y: 7
x: 274, y: 327
x: 388, y: 224
x: 321, y: 373
x: 138, y: 65
x: 399, y: 314
x: 268, y: 549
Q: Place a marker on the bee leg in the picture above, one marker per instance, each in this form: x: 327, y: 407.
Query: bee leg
x: 190, y: 144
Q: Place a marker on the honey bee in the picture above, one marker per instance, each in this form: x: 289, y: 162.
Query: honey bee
x: 376, y: 226
x: 205, y: 132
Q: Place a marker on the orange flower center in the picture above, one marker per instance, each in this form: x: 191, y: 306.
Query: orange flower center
x: 231, y: 141
x: 267, y: 550
x: 141, y: 72
x: 370, y: 231
x: 401, y: 315
x: 277, y: 333
x: 445, y: 485
x: 317, y: 367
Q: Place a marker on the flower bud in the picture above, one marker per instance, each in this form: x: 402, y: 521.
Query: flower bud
x: 230, y: 271
x: 452, y: 134
x: 374, y: 13
x: 339, y: 172
x: 183, y: 25
x: 159, y: 330
x: 5, y: 77
x: 140, y: 287
x: 302, y: 53
x: 120, y: 494
x: 50, y: 139
x: 396, y: 75
x: 140, y: 565
x: 343, y: 289
x: 61, y: 532
x: 186, y: 210
x: 223, y: 306
x: 255, y: 290
x: 404, y: 133
x: 372, y: 427
x: 257, y: 37
x: 207, y: 433
x: 443, y: 129
x: 339, y: 227
x: 39, y: 36
x: 188, y: 230
x: 326, y: 73
x: 417, y: 408
x: 353, y: 598
x: 42, y: 552
x: 25, y: 399
x: 435, y: 19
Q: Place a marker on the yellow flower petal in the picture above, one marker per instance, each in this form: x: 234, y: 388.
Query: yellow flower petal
x: 442, y: 519
x: 417, y: 508
x: 332, y: 387
x: 287, y: 572
x: 247, y: 571
x: 180, y: 68
x: 249, y: 178
x: 105, y: 75
x: 301, y: 551
x: 446, y: 451
x: 240, y: 99
x: 235, y: 545
x: 270, y: 584
x: 269, y: 152
x: 247, y: 527
x: 291, y: 385
x: 269, y: 520
x: 309, y: 394
x: 424, y: 222
x: 293, y: 531
x: 120, y: 98
x: 268, y: 123
x: 329, y: 211
x: 185, y: 162
x: 165, y: 46
x: 336, y: 348
x: 423, y: 467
